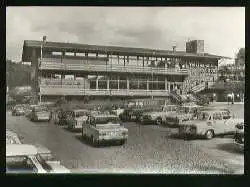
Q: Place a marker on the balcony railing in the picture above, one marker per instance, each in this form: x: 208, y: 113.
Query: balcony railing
x: 63, y: 90
x: 111, y: 68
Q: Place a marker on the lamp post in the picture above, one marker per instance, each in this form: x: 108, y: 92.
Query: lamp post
x: 41, y: 56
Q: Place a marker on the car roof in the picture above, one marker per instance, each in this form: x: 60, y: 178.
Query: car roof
x: 104, y: 115
x: 20, y: 150
x: 80, y: 110
x: 211, y: 111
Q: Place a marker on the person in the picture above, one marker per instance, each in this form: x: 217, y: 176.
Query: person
x: 232, y: 98
x: 228, y: 98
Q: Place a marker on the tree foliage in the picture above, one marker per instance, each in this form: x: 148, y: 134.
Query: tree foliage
x: 240, y: 57
x: 17, y: 74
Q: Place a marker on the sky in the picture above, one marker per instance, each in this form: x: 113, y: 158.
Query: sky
x: 221, y: 28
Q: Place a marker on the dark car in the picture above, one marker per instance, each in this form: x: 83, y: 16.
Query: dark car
x: 18, y: 110
x: 239, y: 135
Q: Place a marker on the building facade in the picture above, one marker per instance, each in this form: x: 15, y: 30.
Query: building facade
x: 76, y: 71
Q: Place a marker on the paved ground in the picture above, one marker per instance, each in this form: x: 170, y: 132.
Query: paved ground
x: 150, y: 149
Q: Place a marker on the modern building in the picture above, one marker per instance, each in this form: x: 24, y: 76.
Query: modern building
x: 77, y: 71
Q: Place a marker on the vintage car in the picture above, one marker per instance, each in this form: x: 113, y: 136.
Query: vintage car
x: 28, y: 110
x: 158, y: 117
x: 210, y: 123
x: 132, y: 114
x: 117, y: 111
x: 239, y: 135
x: 48, y: 161
x: 26, y: 158
x: 184, y: 113
x: 76, y: 118
x: 100, y: 128
x: 40, y: 113
x: 22, y: 158
x: 12, y: 137
x: 18, y: 110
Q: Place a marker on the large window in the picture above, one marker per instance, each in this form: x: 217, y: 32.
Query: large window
x: 113, y: 84
x: 102, y: 84
x: 123, y: 84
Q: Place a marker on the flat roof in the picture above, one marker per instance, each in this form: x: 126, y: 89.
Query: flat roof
x: 75, y: 47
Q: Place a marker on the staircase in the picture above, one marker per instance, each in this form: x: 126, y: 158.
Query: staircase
x: 200, y: 100
x: 176, y: 97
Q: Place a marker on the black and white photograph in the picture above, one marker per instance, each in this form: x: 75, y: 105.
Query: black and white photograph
x: 127, y: 90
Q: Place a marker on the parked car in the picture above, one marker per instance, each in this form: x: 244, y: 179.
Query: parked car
x: 184, y: 113
x: 21, y: 158
x: 76, y: 118
x: 48, y: 161
x: 210, y: 123
x: 158, y: 117
x: 40, y: 113
x: 12, y: 137
x: 100, y: 128
x: 239, y: 135
x: 117, y: 111
x: 28, y: 110
x: 18, y: 110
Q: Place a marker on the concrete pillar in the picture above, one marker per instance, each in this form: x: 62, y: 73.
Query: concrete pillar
x: 97, y: 83
x: 127, y: 83
x: 118, y: 81
x: 108, y: 84
x: 166, y: 83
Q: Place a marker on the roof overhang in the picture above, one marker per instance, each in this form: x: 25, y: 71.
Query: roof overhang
x: 79, y: 48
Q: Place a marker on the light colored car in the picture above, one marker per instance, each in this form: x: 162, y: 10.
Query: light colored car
x: 18, y: 110
x: 76, y: 118
x: 12, y: 138
x: 49, y: 162
x: 210, y: 123
x: 239, y: 135
x: 158, y: 117
x: 100, y: 128
x: 40, y: 113
x: 184, y: 113
x: 22, y: 158
x: 117, y: 112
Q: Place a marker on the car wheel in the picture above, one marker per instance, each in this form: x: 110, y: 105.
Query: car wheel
x: 209, y: 134
x: 158, y: 121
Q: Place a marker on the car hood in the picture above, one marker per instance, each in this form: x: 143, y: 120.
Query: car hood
x: 193, y: 122
x: 152, y: 113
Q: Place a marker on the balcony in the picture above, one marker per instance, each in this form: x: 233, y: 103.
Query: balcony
x: 79, y: 90
x: 48, y: 65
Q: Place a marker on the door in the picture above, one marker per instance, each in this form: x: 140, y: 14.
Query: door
x: 218, y: 123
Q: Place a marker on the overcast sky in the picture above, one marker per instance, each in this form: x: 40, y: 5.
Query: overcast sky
x: 222, y: 29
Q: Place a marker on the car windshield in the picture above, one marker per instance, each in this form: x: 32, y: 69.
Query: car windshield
x: 107, y: 120
x: 43, y: 163
x: 202, y: 116
x: 40, y: 109
x: 80, y: 113
x: 20, y: 164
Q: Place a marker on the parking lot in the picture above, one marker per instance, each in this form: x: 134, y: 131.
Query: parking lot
x: 149, y: 149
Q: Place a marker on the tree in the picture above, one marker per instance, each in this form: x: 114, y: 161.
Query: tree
x: 240, y: 57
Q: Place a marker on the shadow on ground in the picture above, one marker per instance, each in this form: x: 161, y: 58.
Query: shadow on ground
x: 183, y: 137
x: 230, y: 147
